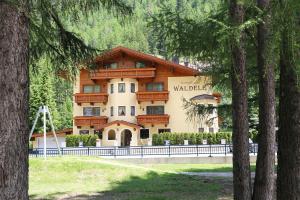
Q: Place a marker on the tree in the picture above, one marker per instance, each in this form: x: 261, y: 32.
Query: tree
x: 288, y: 173
x: 240, y: 129
x: 198, y: 113
x: 14, y: 52
x: 264, y: 178
x: 48, y: 37
x: 42, y: 93
x: 208, y: 39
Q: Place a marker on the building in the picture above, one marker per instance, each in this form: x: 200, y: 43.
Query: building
x: 129, y: 95
x: 37, y: 139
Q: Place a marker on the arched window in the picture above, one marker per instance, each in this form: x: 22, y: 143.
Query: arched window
x: 111, y: 135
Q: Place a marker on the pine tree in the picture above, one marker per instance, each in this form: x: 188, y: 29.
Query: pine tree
x: 45, y: 35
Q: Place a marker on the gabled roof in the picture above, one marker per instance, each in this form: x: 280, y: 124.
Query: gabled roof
x: 119, y: 122
x: 139, y: 55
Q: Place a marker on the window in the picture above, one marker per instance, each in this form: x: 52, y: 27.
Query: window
x: 111, y: 135
x: 122, y: 110
x: 84, y: 132
x: 111, y: 111
x: 140, y: 65
x: 154, y: 86
x: 211, y: 130
x: 201, y: 130
x: 97, y: 88
x: 211, y: 108
x: 91, y: 111
x: 91, y: 89
x: 111, y: 88
x: 164, y: 130
x: 132, y: 87
x: 112, y: 66
x: 132, y: 110
x: 121, y: 87
x: 99, y: 133
x: 155, y: 110
x: 144, y: 133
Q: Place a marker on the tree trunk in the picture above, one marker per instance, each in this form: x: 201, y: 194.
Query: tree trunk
x: 264, y: 178
x: 288, y: 174
x: 14, y: 84
x: 240, y: 138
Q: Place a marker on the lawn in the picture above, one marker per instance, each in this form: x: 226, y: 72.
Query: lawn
x: 94, y: 178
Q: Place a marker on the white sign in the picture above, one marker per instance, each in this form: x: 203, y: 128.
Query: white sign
x: 186, y: 142
x: 204, y: 141
x: 223, y: 141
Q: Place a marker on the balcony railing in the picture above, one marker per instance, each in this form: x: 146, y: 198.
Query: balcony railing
x: 91, y: 98
x: 153, y: 119
x: 152, y: 96
x: 92, y: 121
x: 123, y: 73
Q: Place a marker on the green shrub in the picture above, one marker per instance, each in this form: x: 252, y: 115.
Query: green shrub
x: 196, y: 138
x: 88, y: 140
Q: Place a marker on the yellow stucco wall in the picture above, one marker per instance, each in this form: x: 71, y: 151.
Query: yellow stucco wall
x: 178, y: 87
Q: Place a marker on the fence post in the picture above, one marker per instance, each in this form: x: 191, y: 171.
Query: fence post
x: 197, y: 150
x: 225, y: 149
x: 88, y: 151
x: 62, y: 151
x: 36, y: 153
x: 115, y: 152
x: 169, y: 150
x: 141, y: 151
x: 209, y: 150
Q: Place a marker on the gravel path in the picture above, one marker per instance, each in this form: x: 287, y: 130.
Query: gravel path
x: 213, y: 174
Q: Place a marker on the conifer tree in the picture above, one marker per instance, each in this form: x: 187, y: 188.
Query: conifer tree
x: 35, y: 28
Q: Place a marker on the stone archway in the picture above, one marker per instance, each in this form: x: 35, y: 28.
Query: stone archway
x: 126, y: 136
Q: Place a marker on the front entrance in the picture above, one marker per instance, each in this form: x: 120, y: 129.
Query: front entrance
x: 126, y: 137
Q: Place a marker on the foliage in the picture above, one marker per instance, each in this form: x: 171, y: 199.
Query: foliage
x: 88, y: 140
x: 50, y: 37
x: 55, y: 92
x: 193, y: 138
x: 42, y: 93
x: 198, y: 113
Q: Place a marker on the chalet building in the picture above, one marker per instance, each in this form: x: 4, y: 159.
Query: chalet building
x: 130, y: 95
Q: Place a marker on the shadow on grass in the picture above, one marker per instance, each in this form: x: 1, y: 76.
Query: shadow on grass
x: 219, y: 169
x: 156, y: 186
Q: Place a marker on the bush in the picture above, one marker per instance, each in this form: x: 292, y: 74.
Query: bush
x: 88, y: 140
x: 196, y: 138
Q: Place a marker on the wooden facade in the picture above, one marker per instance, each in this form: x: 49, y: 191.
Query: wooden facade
x: 155, y: 70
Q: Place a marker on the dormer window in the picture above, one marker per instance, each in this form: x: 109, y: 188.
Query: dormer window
x: 140, y: 65
x: 112, y: 66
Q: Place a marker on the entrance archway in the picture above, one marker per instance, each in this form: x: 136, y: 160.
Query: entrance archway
x: 126, y: 136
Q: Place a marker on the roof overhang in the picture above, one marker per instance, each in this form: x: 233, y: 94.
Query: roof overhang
x: 107, y: 55
x: 118, y: 123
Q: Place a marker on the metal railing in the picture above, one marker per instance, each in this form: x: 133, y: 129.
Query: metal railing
x: 143, y: 151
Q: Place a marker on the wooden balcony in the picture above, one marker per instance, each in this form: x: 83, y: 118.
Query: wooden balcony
x: 91, y: 121
x: 153, y: 119
x: 123, y: 73
x: 152, y: 96
x: 91, y: 98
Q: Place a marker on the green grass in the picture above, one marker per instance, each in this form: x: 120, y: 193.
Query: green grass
x: 95, y: 178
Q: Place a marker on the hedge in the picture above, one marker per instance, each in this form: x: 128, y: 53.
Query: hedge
x: 88, y: 140
x: 194, y: 138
